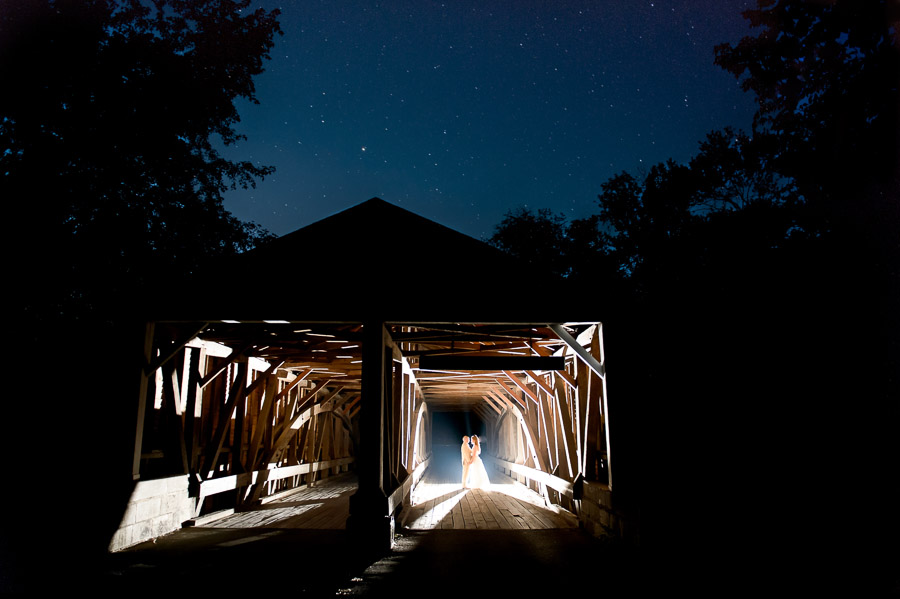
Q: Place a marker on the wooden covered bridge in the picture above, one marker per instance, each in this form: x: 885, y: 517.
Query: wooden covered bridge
x: 336, y: 348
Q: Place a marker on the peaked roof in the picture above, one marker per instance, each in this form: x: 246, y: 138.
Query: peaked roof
x: 376, y: 261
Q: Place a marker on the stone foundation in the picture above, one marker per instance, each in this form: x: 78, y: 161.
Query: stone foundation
x: 598, y: 515
x: 156, y: 508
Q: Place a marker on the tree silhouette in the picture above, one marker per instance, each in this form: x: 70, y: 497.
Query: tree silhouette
x: 756, y: 338
x: 648, y: 228
x: 538, y: 238
x: 825, y: 76
x: 111, y: 120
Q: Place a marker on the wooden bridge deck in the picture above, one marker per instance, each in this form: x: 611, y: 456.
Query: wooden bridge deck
x: 505, y: 505
x: 324, y: 506
x: 437, y: 504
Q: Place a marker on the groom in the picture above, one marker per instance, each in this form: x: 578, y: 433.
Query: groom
x: 467, y: 458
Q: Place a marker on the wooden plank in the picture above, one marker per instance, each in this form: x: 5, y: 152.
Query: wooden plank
x: 433, y: 520
x: 522, y: 385
x: 533, y: 515
x: 539, y: 381
x: 582, y: 375
x: 263, y: 422
x: 605, y: 409
x: 430, y: 521
x: 194, y: 407
x: 394, y: 406
x: 175, y: 413
x: 510, y: 511
x: 491, y: 509
x: 568, y: 437
x: 471, y: 362
x: 537, y: 517
x: 491, y: 401
x: 483, y: 516
x: 544, y: 412
x: 172, y: 350
x: 213, y: 486
x: 554, y: 482
x: 287, y: 429
x: 224, y: 416
x: 592, y: 418
x: 454, y: 519
x: 235, y: 402
x: 149, y: 332
x: 466, y: 509
x: 566, y: 378
x: 579, y: 350
x: 213, y: 374
x: 512, y: 394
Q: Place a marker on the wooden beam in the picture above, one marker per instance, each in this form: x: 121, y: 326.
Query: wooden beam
x: 395, y: 410
x: 214, y: 486
x: 303, y: 417
x: 401, y: 493
x: 263, y: 421
x: 144, y: 383
x: 562, y: 408
x: 579, y: 350
x: 502, y: 399
x: 175, y: 413
x: 238, y: 394
x: 544, y: 407
x: 490, y: 363
x: 173, y: 349
x: 531, y: 441
x: 593, y: 417
x: 539, y: 381
x: 511, y: 393
x: 232, y: 358
x: 566, y: 378
x: 523, y: 386
x: 605, y: 407
x: 194, y: 409
x: 554, y: 482
x: 493, y: 403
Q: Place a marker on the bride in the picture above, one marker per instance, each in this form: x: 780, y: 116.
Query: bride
x: 478, y: 476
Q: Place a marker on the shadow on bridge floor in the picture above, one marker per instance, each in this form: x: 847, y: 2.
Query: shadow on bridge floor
x: 282, y: 556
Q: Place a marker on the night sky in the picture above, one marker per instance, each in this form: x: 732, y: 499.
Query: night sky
x: 461, y: 111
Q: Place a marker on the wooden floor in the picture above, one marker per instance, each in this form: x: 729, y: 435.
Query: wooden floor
x: 504, y: 505
x: 436, y: 504
x: 324, y: 506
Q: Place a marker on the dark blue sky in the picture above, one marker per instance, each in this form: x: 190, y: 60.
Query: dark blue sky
x: 460, y: 111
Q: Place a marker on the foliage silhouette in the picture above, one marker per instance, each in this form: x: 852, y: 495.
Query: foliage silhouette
x: 112, y: 116
x: 110, y: 122
x: 546, y: 233
x: 753, y: 342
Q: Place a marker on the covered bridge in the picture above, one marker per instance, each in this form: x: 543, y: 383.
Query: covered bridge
x: 336, y: 346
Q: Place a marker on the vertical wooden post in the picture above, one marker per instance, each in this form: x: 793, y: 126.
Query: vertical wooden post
x: 149, y: 332
x: 369, y: 521
x: 604, y: 405
x: 194, y: 407
x: 175, y: 415
x: 594, y: 416
x: 396, y: 414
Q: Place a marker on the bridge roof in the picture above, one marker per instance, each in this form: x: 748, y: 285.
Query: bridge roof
x: 377, y: 261
x: 304, y: 297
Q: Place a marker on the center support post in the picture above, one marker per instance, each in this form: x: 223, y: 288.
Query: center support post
x: 369, y: 523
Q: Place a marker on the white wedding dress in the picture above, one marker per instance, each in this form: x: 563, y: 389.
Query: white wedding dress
x: 478, y: 476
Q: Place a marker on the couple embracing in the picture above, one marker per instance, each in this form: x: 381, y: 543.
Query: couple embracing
x: 474, y: 475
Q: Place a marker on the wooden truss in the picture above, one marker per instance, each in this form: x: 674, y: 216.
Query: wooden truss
x: 249, y: 410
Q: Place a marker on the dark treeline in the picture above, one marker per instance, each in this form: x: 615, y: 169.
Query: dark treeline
x: 112, y: 113
x: 750, y: 301
x: 111, y: 116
